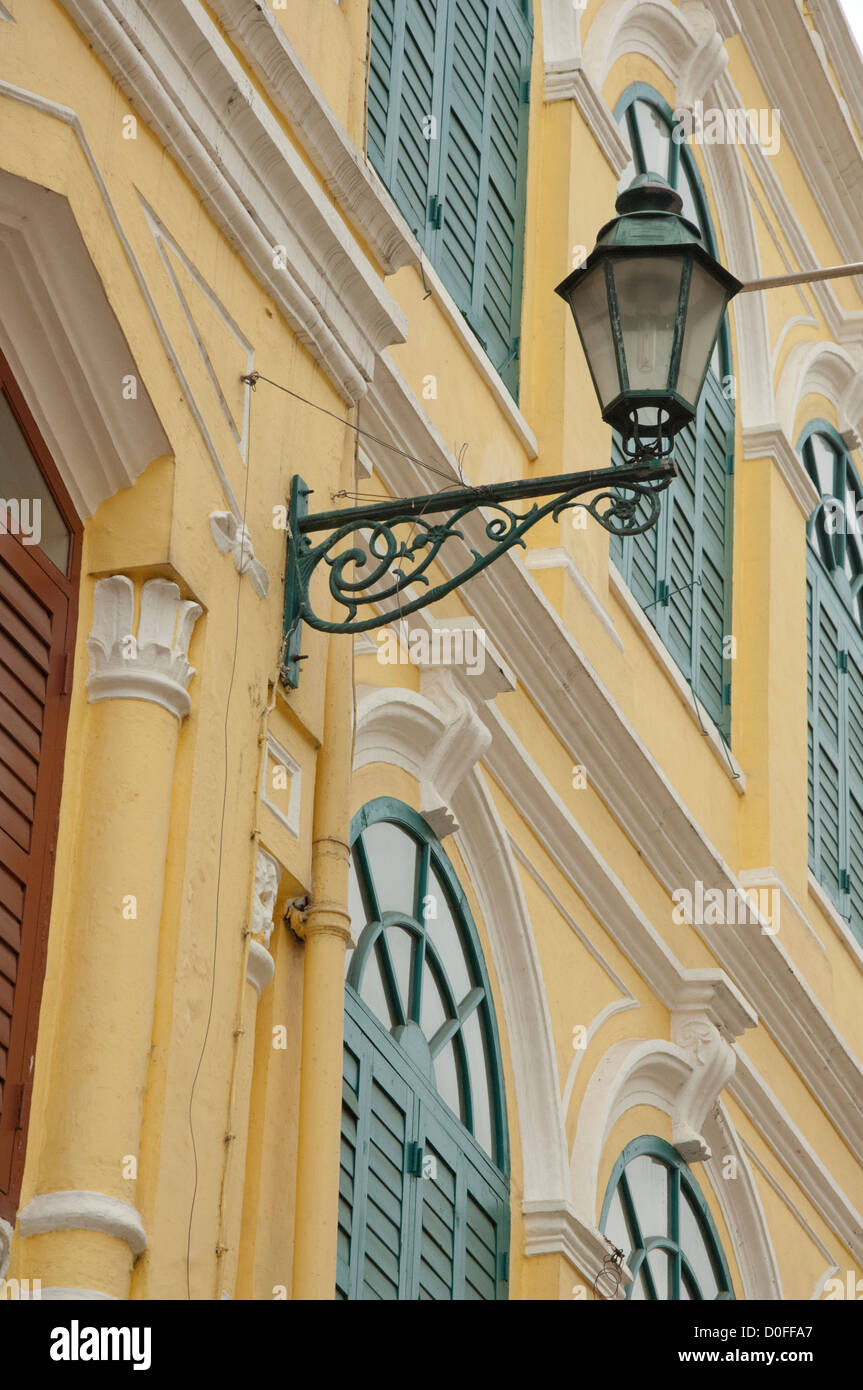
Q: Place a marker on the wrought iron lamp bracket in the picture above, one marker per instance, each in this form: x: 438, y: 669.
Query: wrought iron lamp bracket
x: 373, y: 562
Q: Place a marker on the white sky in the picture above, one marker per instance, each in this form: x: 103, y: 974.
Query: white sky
x: 854, y: 14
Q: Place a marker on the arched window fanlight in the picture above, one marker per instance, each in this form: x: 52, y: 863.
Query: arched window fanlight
x: 835, y: 529
x: 655, y: 1213
x: 418, y: 968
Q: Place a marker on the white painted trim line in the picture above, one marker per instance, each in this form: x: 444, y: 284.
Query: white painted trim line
x: 282, y: 758
x: 836, y: 920
x: 769, y: 878
x: 718, y: 747
x: 77, y: 1210
x: 557, y: 557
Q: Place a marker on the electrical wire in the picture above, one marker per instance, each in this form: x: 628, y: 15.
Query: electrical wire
x: 218, y: 885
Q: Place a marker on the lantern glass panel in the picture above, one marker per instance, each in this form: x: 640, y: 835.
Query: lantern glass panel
x: 589, y: 301
x: 648, y: 294
x: 704, y: 312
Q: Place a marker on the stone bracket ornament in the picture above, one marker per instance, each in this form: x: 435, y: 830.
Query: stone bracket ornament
x: 149, y: 662
x: 232, y: 536
x: 707, y: 1016
x: 260, y: 966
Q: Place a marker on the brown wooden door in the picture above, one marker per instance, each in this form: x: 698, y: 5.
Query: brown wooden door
x: 38, y: 605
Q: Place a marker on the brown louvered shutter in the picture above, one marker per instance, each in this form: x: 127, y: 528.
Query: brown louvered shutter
x: 37, y: 628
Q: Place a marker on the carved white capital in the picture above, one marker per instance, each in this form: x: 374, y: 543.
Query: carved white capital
x: 260, y: 967
x: 83, y: 1211
x: 707, y: 1016
x: 232, y: 535
x: 147, y: 663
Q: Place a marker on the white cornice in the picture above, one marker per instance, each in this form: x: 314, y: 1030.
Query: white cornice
x: 771, y: 441
x: 173, y: 64
x: 552, y: 1229
x: 843, y: 53
x: 292, y: 89
x: 570, y: 81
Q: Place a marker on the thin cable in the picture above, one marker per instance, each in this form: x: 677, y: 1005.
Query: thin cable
x: 255, y: 377
x: 218, y: 884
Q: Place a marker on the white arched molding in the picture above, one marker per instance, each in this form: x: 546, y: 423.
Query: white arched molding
x: 822, y: 369
x: 686, y: 45
x: 660, y: 1074
x: 566, y: 78
x: 404, y: 729
x: 67, y: 350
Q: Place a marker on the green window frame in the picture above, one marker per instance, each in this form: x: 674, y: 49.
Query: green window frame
x: 834, y: 671
x: 655, y: 1212
x: 680, y: 571
x: 424, y: 1180
x: 446, y: 129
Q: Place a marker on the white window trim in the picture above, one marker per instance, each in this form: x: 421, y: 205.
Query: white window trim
x: 718, y: 747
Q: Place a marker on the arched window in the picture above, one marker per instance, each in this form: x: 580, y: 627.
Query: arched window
x: 834, y: 626
x: 446, y: 129
x: 680, y: 570
x: 424, y: 1197
x: 654, y: 1212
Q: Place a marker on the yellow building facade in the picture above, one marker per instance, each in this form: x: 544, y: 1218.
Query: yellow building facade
x: 545, y: 796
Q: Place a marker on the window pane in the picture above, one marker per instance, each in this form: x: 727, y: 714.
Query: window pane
x: 648, y: 1185
x: 432, y: 1010
x: 660, y: 1262
x: 824, y: 460
x: 686, y: 189
x: 446, y: 1079
x: 401, y: 952
x: 356, y: 906
x: 372, y: 990
x: 442, y: 929
x: 693, y: 1243
x: 392, y: 857
x: 655, y: 139
x: 478, y: 1064
x: 39, y: 520
x: 639, y: 1290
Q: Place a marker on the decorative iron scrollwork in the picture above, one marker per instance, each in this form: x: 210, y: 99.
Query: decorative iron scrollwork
x: 369, y: 578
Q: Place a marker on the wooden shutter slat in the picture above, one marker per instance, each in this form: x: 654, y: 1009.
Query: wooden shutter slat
x: 24, y: 599
x: 26, y: 671
x: 24, y: 636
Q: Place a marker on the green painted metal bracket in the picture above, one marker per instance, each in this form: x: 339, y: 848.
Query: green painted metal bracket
x: 375, y: 552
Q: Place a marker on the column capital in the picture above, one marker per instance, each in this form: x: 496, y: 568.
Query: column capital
x: 147, y: 663
x: 260, y: 966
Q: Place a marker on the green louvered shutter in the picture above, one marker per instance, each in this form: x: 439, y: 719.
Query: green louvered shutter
x: 381, y: 47
x: 827, y: 750
x: 447, y: 131
x: 854, y: 770
x: 680, y: 555
x: 713, y: 594
x: 810, y: 722
x: 377, y: 1123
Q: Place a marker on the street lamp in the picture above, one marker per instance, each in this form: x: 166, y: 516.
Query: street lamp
x: 648, y: 303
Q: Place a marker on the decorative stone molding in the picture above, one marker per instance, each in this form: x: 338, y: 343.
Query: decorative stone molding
x: 260, y: 966
x: 232, y: 536
x: 567, y: 79
x: 267, y: 877
x: 771, y: 441
x: 172, y: 62
x: 152, y: 663
x: 551, y: 1229
x: 83, y: 1211
x: 62, y: 338
x: 350, y: 178
x: 5, y: 1247
x: 707, y: 61
x: 709, y: 1014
